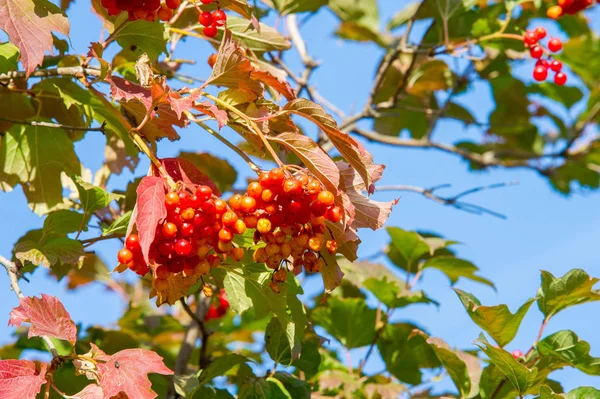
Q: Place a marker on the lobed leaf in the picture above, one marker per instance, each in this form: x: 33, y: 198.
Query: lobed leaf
x: 557, y: 294
x: 151, y: 210
x: 21, y: 379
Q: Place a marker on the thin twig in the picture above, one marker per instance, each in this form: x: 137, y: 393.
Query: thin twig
x: 453, y: 200
x: 44, y: 73
x: 56, y: 125
x: 204, y: 359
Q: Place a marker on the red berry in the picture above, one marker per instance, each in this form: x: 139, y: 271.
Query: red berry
x: 172, y: 4
x: 540, y: 73
x: 276, y: 177
x: 210, y: 31
x: 530, y: 38
x: 556, y: 65
x: 219, y: 17
x: 205, y: 19
x: 212, y: 312
x: 133, y: 242
x: 125, y: 256
x: 292, y: 187
x: 166, y: 247
x: 212, y: 60
x: 560, y: 78
x: 334, y: 214
x: 554, y: 45
x: 206, y: 1
x: 165, y: 14
x: 176, y: 265
x: 187, y: 229
x: 169, y: 230
x: 204, y: 193
x: 536, y: 51
x: 183, y: 247
x: 540, y: 32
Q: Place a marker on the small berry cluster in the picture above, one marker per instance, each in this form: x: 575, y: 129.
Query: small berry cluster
x: 131, y: 255
x: 148, y: 10
x: 289, y: 214
x: 570, y: 7
x: 211, y: 21
x: 217, y: 311
x: 536, y: 49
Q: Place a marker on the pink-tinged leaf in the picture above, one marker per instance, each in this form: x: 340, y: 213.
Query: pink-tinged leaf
x: 208, y: 108
x: 272, y: 81
x: 185, y: 171
x: 127, y: 371
x: 29, y: 25
x: 331, y: 273
x: 160, y: 126
x: 313, y: 157
x: 47, y: 316
x: 124, y: 90
x: 368, y: 213
x: 92, y: 391
x: 163, y: 94
x: 21, y: 379
x: 351, y: 150
x: 150, y: 210
x: 233, y: 69
x: 96, y: 51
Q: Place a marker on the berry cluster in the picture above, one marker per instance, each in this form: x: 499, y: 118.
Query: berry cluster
x: 211, y: 21
x: 568, y: 7
x: 217, y: 311
x: 142, y: 9
x: 537, y: 50
x: 289, y: 214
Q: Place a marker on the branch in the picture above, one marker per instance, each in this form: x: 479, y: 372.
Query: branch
x: 44, y: 73
x: 197, y: 318
x: 56, y: 125
x: 13, y: 275
x: 454, y: 200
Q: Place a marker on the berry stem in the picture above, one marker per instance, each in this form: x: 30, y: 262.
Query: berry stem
x: 251, y: 123
x: 223, y: 140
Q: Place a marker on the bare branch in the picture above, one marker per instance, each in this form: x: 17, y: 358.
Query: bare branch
x: 453, y: 201
x: 56, y: 125
x: 198, y: 319
x: 44, y: 73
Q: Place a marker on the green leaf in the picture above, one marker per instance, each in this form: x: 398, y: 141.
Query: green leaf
x: 578, y: 393
x: 310, y: 358
x: 364, y: 12
x: 393, y: 293
x: 557, y: 294
x: 9, y: 55
x: 145, y: 37
x: 216, y: 169
x: 206, y: 392
x: 360, y: 33
x: 429, y: 77
x: 277, y: 344
x: 119, y: 226
x: 349, y: 320
x: 463, y: 369
x: 268, y: 39
x: 403, y: 16
x: 93, y: 198
x: 519, y: 376
x: 35, y: 156
x: 220, y: 366
x: 404, y: 354
x: 295, y: 6
x: 50, y: 252
x: 566, y: 95
x: 297, y: 388
x: 497, y: 321
x: 258, y: 388
x: 455, y: 268
x: 186, y: 384
x: 63, y: 222
x: 409, y: 244
x: 566, y: 347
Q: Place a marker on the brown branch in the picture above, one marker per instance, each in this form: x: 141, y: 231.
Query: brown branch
x: 13, y: 275
x: 56, y: 125
x: 44, y: 73
x: 452, y: 201
x: 197, y: 318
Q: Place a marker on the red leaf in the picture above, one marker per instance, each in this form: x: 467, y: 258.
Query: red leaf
x: 351, y: 150
x: 20, y: 379
x: 272, y: 81
x: 124, y: 90
x: 313, y: 157
x: 185, y: 171
x: 47, y: 316
x: 29, y: 24
x: 151, y: 210
x: 126, y: 371
x: 208, y: 108
x: 159, y: 126
x: 368, y: 213
x: 92, y: 391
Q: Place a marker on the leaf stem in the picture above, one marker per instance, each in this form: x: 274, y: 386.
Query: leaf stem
x: 250, y: 122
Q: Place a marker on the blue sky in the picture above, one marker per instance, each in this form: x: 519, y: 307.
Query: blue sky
x: 544, y: 230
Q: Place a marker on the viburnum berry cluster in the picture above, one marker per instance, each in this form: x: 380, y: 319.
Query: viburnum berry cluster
x: 570, y: 7
x: 216, y: 311
x: 147, y: 10
x: 288, y: 212
x: 211, y: 20
x: 537, y: 50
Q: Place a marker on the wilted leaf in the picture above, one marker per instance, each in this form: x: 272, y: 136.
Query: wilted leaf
x: 186, y: 172
x: 47, y: 316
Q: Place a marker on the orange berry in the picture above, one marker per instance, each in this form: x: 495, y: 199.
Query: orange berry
x: 272, y: 248
x: 188, y: 214
x: 285, y: 250
x: 276, y: 176
x: 237, y: 254
x: 229, y: 218
x: 254, y: 190
x: 169, y: 230
x: 331, y: 246
x: 164, y: 14
x: 225, y: 234
x: 263, y: 225
x: 260, y: 255
x: 248, y: 204
x: 125, y: 256
x: 203, y: 267
x: 313, y: 187
x: 267, y: 195
x: 202, y: 251
x: 326, y: 198
x: 250, y: 221
x: 315, y: 243
x: 224, y: 246
x: 235, y: 202
x: 220, y: 206
x: 334, y: 214
x: 275, y: 287
x: 280, y: 276
x: 555, y: 12
x: 171, y: 199
x: 292, y: 186
x: 239, y: 227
